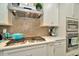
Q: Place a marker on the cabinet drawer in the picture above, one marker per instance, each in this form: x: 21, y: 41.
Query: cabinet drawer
x: 51, y: 44
x: 61, y: 42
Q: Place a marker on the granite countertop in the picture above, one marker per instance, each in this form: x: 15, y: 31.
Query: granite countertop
x: 23, y: 43
x: 51, y: 38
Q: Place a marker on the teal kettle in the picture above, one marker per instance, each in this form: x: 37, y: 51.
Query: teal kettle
x: 17, y: 36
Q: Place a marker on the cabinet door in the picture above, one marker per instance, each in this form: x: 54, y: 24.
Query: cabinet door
x: 18, y: 52
x: 70, y: 9
x: 1, y: 53
x: 50, y: 49
x: 76, y: 11
x: 67, y: 9
x: 3, y: 13
x: 39, y: 50
x: 60, y: 48
x: 50, y: 16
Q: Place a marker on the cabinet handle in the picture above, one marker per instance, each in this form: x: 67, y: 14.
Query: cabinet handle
x: 58, y: 44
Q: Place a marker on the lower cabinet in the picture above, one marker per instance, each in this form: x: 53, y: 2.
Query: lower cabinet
x: 50, y: 49
x: 39, y: 50
x: 60, y: 48
x: 1, y: 52
x: 57, y: 48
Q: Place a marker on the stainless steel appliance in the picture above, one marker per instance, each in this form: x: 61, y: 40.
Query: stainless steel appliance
x: 29, y: 6
x: 72, y: 33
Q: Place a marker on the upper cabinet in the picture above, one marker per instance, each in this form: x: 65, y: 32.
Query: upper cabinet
x: 50, y: 14
x: 76, y: 10
x: 70, y: 9
x: 4, y: 16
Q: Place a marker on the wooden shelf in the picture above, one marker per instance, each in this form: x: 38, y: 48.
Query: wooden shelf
x: 44, y: 25
x: 5, y: 24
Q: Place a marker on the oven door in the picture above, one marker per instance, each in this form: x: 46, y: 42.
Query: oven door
x: 72, y: 38
x: 73, y: 41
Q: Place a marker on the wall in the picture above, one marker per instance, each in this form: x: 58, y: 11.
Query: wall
x: 28, y: 26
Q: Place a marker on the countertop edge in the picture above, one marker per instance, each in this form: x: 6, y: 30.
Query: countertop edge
x: 31, y: 44
x: 24, y: 45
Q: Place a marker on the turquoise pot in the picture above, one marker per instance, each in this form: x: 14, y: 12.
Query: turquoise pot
x: 17, y: 36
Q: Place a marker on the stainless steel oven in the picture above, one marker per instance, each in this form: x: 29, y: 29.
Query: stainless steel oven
x: 72, y: 25
x: 72, y: 38
x: 72, y: 32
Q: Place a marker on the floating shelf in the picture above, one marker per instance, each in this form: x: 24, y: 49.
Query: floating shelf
x: 5, y: 24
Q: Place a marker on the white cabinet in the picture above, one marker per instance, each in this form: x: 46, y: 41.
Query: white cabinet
x: 76, y: 10
x: 38, y: 50
x: 73, y: 10
x: 57, y: 48
x: 3, y: 13
x: 1, y: 52
x: 4, y: 20
x: 70, y: 9
x: 60, y: 48
x: 67, y: 9
x: 51, y: 49
x: 50, y: 14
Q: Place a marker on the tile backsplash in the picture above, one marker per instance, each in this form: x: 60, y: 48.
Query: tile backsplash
x: 28, y: 26
x: 4, y: 27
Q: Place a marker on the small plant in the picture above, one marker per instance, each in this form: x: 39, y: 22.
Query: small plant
x: 39, y: 6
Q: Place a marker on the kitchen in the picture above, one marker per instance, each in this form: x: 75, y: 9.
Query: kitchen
x: 39, y: 29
